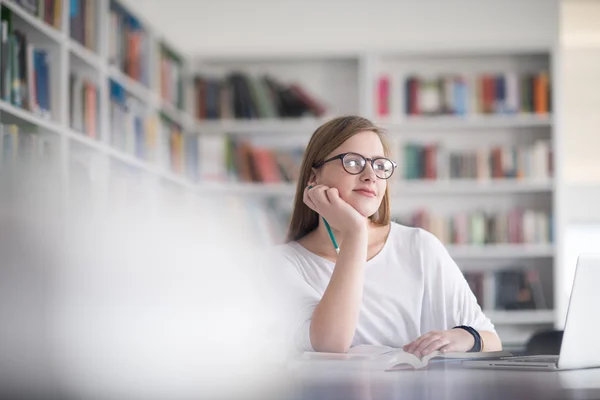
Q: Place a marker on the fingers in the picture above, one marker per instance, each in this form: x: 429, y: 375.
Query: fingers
x: 430, y: 339
x: 307, y: 200
x: 411, y: 347
x: 318, y: 195
x: 448, y: 348
x: 315, y: 197
x: 436, y: 344
x: 333, y: 195
x: 426, y: 344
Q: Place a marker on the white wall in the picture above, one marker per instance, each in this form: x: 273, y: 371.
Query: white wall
x: 578, y: 133
x: 580, y: 91
x: 273, y: 27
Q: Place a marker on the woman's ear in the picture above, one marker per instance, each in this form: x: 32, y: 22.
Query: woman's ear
x: 313, y: 176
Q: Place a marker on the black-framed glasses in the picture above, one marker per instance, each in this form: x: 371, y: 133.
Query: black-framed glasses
x: 354, y: 164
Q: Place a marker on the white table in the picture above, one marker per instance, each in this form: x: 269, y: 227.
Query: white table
x: 444, y: 383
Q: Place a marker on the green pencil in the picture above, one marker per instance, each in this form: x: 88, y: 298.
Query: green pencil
x: 331, y: 235
x: 335, y: 245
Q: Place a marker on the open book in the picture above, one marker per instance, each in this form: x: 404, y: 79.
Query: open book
x: 390, y: 359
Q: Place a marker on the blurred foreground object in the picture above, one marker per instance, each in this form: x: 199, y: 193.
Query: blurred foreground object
x: 127, y: 301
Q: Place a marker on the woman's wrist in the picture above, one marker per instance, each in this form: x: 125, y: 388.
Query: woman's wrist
x: 359, y: 229
x: 478, y: 341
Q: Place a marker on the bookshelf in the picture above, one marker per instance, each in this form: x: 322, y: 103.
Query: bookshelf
x: 155, y: 104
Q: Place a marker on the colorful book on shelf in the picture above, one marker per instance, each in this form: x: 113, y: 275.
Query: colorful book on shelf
x: 49, y: 11
x: 516, y: 226
x: 489, y: 93
x: 129, y: 44
x: 386, y: 358
x: 82, y: 22
x: 383, y: 96
x: 434, y: 161
x: 128, y: 118
x: 257, y: 164
x: 171, y: 83
x: 242, y: 96
x: 83, y: 105
x: 24, y: 70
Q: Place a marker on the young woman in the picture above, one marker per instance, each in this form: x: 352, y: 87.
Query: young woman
x: 389, y: 284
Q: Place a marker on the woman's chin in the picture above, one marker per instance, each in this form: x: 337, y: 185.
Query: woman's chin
x: 365, y: 210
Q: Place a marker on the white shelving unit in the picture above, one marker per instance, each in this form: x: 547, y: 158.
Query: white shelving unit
x: 501, y: 251
x: 465, y: 123
x: 347, y: 86
x: 526, y: 317
x: 447, y: 196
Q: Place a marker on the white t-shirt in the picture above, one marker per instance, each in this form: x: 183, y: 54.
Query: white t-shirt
x: 412, y: 286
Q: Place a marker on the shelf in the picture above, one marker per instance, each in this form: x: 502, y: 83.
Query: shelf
x: 46, y: 29
x: 110, y: 151
x: 467, y: 122
x: 402, y: 190
x: 212, y: 188
x: 468, y: 186
x: 132, y: 86
x: 250, y: 189
x: 308, y: 125
x: 131, y: 160
x: 501, y: 251
x: 85, y: 54
x: 305, y: 125
x: 29, y: 118
x: 175, y: 114
x: 520, y: 317
x: 288, y: 190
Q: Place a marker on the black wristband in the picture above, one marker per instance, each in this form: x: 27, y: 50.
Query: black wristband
x: 477, y: 346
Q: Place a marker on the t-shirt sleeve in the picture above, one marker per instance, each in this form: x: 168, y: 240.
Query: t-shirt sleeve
x: 450, y: 297
x: 296, y: 300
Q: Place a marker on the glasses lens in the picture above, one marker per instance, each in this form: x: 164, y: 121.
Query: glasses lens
x: 354, y: 163
x: 383, y: 167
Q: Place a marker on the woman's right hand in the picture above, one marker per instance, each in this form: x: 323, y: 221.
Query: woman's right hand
x: 340, y: 215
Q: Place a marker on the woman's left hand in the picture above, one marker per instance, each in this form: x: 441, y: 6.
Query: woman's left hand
x: 444, y: 341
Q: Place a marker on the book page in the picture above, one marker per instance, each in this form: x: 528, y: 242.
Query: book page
x: 371, y: 349
x: 403, y: 360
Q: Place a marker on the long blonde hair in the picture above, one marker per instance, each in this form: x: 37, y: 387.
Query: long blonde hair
x: 324, y: 140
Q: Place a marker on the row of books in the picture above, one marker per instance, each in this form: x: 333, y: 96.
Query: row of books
x: 214, y: 159
x: 516, y: 288
x: 433, y: 161
x: 129, y: 123
x: 258, y: 164
x: 152, y: 138
x: 504, y: 93
x: 516, y: 226
x: 171, y: 81
x: 129, y: 44
x: 82, y: 21
x: 17, y: 146
x: 49, y: 11
x: 243, y: 96
x: 149, y: 137
x: 84, y: 103
x: 179, y: 152
x: 24, y: 70
x: 228, y: 159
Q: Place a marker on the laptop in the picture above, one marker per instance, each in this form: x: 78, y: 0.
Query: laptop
x: 580, y: 347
